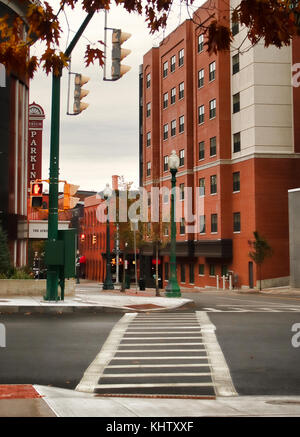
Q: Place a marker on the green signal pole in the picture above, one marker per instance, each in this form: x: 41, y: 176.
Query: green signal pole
x: 53, y: 270
x: 173, y: 289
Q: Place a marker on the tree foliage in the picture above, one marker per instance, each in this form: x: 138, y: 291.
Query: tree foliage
x: 260, y: 251
x: 274, y: 21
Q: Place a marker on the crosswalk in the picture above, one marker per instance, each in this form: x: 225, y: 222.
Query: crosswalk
x: 165, y: 355
x: 276, y: 308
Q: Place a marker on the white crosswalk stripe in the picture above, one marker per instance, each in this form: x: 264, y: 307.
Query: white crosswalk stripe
x: 162, y: 354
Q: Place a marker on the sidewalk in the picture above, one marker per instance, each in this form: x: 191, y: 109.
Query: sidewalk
x: 51, y: 401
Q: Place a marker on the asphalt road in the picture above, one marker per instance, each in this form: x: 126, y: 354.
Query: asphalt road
x: 254, y: 333
x: 51, y: 349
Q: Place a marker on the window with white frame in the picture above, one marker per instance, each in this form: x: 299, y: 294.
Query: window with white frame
x: 165, y: 69
x: 200, y: 43
x: 173, y: 63
x: 181, y: 158
x: 173, y: 128
x: 202, y: 187
x: 181, y: 124
x: 166, y: 161
x: 212, y: 71
x: 201, y: 78
x: 148, y: 168
x: 212, y: 108
x: 180, y: 57
x: 181, y: 90
x: 173, y: 95
x: 148, y: 80
x: 181, y: 191
x: 148, y: 139
x: 202, y: 229
x: 148, y: 110
x: 166, y: 131
x: 213, y: 146
x: 165, y: 100
x: 201, y: 114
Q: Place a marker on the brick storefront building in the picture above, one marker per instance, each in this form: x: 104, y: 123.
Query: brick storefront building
x: 231, y: 117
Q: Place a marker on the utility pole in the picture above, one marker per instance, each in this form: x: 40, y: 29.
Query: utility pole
x: 53, y: 271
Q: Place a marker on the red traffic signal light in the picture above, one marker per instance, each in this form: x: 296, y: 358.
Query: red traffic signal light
x: 82, y: 238
x: 36, y: 195
x: 37, y: 189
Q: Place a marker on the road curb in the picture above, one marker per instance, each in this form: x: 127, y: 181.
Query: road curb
x: 61, y: 309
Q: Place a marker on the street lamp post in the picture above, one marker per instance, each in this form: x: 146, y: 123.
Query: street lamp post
x: 173, y: 289
x: 108, y: 284
x: 134, y: 228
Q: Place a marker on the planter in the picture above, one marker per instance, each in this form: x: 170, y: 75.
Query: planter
x: 31, y: 287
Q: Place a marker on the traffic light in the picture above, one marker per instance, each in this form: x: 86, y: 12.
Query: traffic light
x: 94, y: 241
x: 82, y: 238
x: 80, y: 93
x: 117, y: 70
x: 36, y: 195
x: 69, y: 191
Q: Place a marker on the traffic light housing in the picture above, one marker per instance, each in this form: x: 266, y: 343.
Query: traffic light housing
x: 69, y: 201
x: 118, y: 54
x: 36, y: 195
x: 80, y: 93
x: 94, y: 239
x: 82, y: 238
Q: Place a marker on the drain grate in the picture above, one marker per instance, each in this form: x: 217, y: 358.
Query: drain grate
x: 115, y: 395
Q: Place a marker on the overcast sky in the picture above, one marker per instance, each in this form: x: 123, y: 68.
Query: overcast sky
x: 102, y: 140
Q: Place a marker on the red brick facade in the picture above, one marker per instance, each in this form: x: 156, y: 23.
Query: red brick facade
x: 250, y: 189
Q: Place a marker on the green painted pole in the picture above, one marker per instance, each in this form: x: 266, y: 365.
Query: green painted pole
x: 53, y: 270
x: 173, y: 289
x: 108, y: 283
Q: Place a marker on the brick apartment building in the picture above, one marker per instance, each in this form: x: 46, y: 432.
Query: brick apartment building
x: 231, y: 117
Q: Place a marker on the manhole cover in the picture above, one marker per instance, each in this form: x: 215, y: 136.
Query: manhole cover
x: 146, y: 306
x: 287, y: 402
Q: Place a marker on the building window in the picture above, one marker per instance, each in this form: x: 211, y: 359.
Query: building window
x: 212, y: 71
x: 236, y: 102
x: 148, y: 113
x: 166, y: 197
x: 148, y: 139
x: 237, y: 142
x: 200, y: 43
x: 166, y: 161
x: 213, y: 184
x: 166, y: 271
x: 181, y: 158
x: 235, y: 28
x: 173, y: 128
x: 181, y: 90
x: 173, y: 63
x: 214, y: 223
x: 201, y: 269
x: 191, y: 274
x: 181, y: 191
x: 201, y: 114
x: 224, y: 270
x: 148, y: 80
x: 166, y: 131
x: 212, y: 108
x: 212, y: 270
x: 173, y: 95
x: 202, y: 224
x: 213, y: 146
x: 235, y: 63
x: 182, y: 227
x: 202, y: 187
x: 165, y: 100
x: 181, y: 124
x: 201, y: 150
x: 148, y: 168
x: 236, y: 222
x: 182, y: 272
x: 201, y: 78
x: 166, y: 230
x: 165, y: 69
x: 236, y: 181
x: 181, y: 57
x: 149, y: 199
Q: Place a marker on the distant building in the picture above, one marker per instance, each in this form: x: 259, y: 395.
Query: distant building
x: 13, y: 151
x: 232, y: 119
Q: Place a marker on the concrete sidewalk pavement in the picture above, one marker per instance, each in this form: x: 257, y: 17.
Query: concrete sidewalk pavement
x: 57, y: 402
